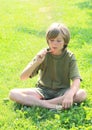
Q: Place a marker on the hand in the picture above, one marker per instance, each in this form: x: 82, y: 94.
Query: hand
x: 67, y: 100
x: 41, y: 55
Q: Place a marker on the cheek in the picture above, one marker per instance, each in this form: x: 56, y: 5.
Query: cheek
x: 61, y: 45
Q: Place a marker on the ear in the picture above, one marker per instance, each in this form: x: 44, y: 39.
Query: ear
x: 47, y: 41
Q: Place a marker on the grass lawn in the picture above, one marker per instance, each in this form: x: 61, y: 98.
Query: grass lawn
x: 22, y: 34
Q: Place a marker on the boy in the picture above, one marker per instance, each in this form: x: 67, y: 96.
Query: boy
x: 57, y: 67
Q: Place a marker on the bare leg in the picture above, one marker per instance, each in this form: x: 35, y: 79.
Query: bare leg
x: 30, y: 98
x: 79, y: 97
x: 57, y: 100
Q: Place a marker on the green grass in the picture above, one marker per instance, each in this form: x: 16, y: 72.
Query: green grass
x: 22, y: 34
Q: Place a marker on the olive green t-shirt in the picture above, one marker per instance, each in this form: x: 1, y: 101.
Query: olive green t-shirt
x: 56, y: 71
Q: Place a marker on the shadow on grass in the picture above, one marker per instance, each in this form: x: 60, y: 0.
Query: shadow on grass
x: 37, y: 114
x: 86, y: 4
x: 31, y: 31
x: 76, y: 115
x: 82, y: 35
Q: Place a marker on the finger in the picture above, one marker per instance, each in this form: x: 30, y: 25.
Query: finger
x: 42, y: 53
x: 69, y: 104
x: 40, y: 56
x: 64, y: 105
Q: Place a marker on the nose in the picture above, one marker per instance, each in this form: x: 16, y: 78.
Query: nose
x: 54, y: 42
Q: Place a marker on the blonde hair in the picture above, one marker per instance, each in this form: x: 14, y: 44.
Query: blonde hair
x: 57, y: 28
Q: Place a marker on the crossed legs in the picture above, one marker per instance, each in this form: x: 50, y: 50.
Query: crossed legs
x: 30, y: 97
x: 79, y: 97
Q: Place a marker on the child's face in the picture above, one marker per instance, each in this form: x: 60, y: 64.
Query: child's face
x: 56, y: 45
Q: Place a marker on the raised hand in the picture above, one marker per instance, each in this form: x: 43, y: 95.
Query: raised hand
x: 41, y: 55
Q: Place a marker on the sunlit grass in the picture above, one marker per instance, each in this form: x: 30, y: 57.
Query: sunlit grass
x: 23, y: 24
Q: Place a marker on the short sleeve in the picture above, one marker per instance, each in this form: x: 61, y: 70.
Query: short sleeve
x: 74, y: 71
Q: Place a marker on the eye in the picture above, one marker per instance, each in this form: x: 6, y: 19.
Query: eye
x: 51, y: 40
x: 59, y: 41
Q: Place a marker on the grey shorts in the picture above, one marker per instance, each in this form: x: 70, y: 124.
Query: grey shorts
x: 48, y: 93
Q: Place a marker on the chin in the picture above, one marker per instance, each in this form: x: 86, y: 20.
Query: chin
x: 53, y: 53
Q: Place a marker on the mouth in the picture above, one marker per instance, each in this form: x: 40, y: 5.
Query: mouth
x: 54, y: 48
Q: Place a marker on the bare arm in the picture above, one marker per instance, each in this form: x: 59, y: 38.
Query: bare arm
x: 33, y: 65
x: 75, y: 86
x: 28, y: 70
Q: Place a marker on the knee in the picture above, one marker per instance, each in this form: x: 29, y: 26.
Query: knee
x: 12, y: 94
x: 83, y: 94
x: 80, y: 96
